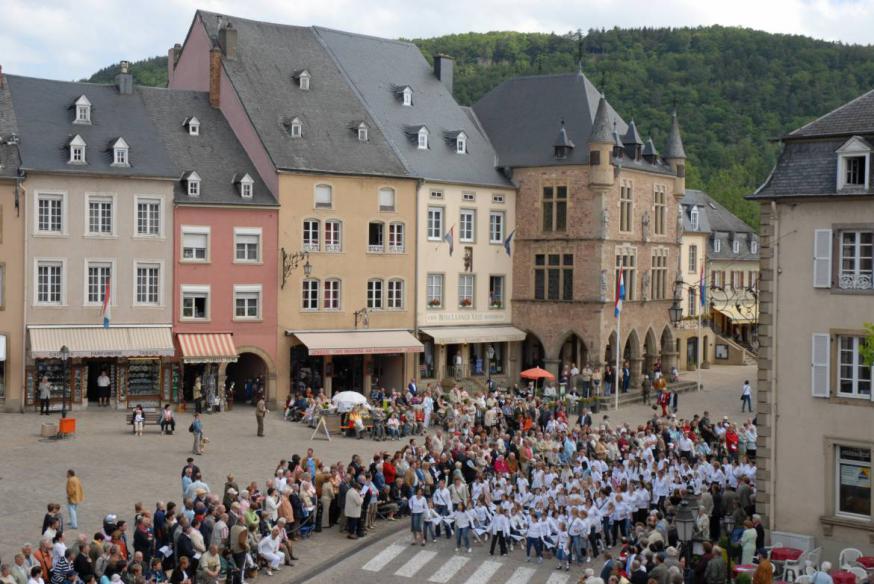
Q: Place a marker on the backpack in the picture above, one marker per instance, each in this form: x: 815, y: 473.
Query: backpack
x: 191, y: 428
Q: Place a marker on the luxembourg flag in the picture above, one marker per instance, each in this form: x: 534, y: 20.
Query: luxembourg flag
x: 620, y: 293
x: 703, y: 287
x: 106, y: 306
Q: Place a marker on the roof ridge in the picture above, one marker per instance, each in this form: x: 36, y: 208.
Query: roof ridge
x: 366, y: 36
x: 795, y: 132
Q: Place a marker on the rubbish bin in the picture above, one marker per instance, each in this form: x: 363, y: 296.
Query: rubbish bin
x: 67, y: 426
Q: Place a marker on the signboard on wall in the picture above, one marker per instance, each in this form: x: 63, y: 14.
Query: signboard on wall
x: 466, y: 316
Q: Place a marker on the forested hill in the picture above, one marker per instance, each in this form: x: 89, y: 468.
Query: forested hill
x: 735, y: 89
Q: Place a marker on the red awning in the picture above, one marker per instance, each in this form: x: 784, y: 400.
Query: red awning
x: 207, y: 347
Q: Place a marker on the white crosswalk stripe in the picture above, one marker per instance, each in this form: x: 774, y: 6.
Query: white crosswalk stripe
x: 484, y: 573
x: 557, y: 578
x: 521, y: 576
x: 415, y: 564
x: 381, y: 559
x: 449, y: 569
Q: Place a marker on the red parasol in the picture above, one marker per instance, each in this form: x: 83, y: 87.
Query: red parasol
x: 537, y: 373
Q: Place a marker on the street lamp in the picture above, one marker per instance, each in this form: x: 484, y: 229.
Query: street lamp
x: 685, y: 523
x: 65, y: 357
x: 675, y: 312
x: 290, y: 262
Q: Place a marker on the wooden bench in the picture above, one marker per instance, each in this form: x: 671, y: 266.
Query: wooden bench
x: 151, y: 417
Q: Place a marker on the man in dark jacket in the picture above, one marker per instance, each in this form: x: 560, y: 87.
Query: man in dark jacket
x: 144, y: 540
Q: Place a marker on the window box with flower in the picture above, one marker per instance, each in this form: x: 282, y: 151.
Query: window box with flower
x: 434, y: 303
x: 465, y: 303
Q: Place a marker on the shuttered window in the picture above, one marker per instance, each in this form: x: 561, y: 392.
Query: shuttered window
x: 822, y: 258
x: 819, y: 365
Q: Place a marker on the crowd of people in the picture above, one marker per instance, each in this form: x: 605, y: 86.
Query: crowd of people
x: 506, y: 469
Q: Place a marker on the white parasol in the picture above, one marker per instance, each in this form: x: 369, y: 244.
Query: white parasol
x: 346, y: 400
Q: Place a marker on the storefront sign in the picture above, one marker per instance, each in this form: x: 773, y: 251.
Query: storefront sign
x: 434, y: 316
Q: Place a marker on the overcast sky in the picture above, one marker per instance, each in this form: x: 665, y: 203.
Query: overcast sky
x: 64, y: 39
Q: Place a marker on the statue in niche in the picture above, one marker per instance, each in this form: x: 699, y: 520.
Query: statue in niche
x: 681, y: 228
x: 646, y: 278
x: 646, y: 225
x: 603, y: 293
x: 468, y: 259
x: 605, y: 222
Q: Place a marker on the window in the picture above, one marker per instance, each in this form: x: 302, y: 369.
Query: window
x: 374, y: 294
x: 423, y: 138
x: 149, y: 217
x: 49, y: 282
x: 311, y: 235
x: 195, y: 302
x: 376, y: 237
x: 436, y: 194
x: 247, y: 245
x: 247, y: 302
x: 195, y: 244
x: 331, y: 300
x: 659, y: 281
x: 435, y: 223
x: 737, y: 279
x: 77, y: 150
x: 853, y: 478
x: 554, y: 208
x: 333, y: 243
x: 407, y: 96
x: 324, y: 197
x: 468, y: 196
x: 467, y: 225
x: 296, y: 128
x: 857, y: 248
x: 310, y: 291
x: 98, y: 274
x: 148, y: 285
x: 496, y: 291
x: 386, y: 199
x: 735, y: 246
x: 753, y: 278
x: 754, y: 247
x: 625, y: 206
x: 83, y: 111
x: 247, y: 187
x: 461, y: 143
x: 717, y: 245
x: 854, y: 377
x: 303, y: 81
x: 660, y: 208
x: 626, y: 261
x: 693, y: 218
x: 434, y: 290
x: 362, y: 132
x: 395, y: 295
x: 496, y: 227
x: 553, y: 277
x: 692, y: 306
x: 396, y: 238
x: 50, y: 213
x: 120, y: 152
x: 498, y: 198
x: 193, y: 184
x: 693, y: 259
x: 100, y: 215
x: 854, y: 170
x: 466, y: 287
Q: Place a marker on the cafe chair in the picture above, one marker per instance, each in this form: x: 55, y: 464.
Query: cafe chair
x: 803, y: 580
x: 793, y: 569
x: 848, y: 558
x: 860, y: 574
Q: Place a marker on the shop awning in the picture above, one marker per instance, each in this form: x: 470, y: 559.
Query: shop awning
x: 359, y: 342
x: 116, y: 341
x: 207, y: 347
x: 736, y: 316
x: 453, y: 335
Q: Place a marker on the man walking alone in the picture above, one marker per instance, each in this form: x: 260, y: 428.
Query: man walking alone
x: 746, y: 397
x: 75, y: 495
x: 260, y: 412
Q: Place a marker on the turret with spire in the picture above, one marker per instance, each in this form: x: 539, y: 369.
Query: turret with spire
x: 675, y: 155
x: 601, y: 146
x: 632, y: 141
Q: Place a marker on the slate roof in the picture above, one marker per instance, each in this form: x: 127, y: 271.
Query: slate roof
x: 521, y: 116
x: 375, y: 67
x: 215, y: 155
x: 854, y: 117
x: 45, y: 123
x: 8, y: 127
x: 720, y: 223
x: 261, y: 73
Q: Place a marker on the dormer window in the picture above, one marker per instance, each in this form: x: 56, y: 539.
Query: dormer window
x: 854, y: 162
x: 717, y: 245
x: 693, y: 216
x: 247, y: 186
x: 423, y: 138
x: 193, y: 125
x: 362, y: 132
x: 77, y: 150
x: 303, y: 80
x: 120, y: 153
x: 407, y: 96
x: 735, y: 246
x: 296, y: 128
x: 461, y: 143
x: 83, y: 111
x: 192, y: 184
x: 754, y: 247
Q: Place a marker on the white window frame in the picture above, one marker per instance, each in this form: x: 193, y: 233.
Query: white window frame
x: 100, y: 198
x: 837, y: 478
x: 320, y: 204
x: 497, y: 219
x: 78, y: 151
x: 498, y: 198
x: 422, y: 139
x: 467, y: 225
x: 120, y: 156
x: 303, y: 81
x: 338, y: 292
x: 296, y: 130
x: 856, y: 364
x: 394, y: 294
x: 248, y: 232
x: 437, y: 195
x: 694, y: 218
x: 148, y: 264
x: 50, y: 196
x: 397, y: 237
x: 333, y: 247
x: 468, y: 196
x: 466, y: 283
x: 195, y: 291
x: 193, y: 126
x: 82, y: 106
x: 735, y: 246
x: 99, y: 263
x: 435, y: 281
x: 247, y: 187
x: 461, y: 143
x: 148, y: 200
x: 362, y: 132
x: 854, y: 279
x: 56, y: 262
x: 717, y: 245
x: 192, y: 186
x: 375, y: 294
x: 855, y: 147
x: 407, y: 97
x: 386, y: 208
x: 754, y: 247
x: 309, y: 227
x: 308, y: 286
x: 195, y: 230
x: 434, y: 224
x: 248, y: 291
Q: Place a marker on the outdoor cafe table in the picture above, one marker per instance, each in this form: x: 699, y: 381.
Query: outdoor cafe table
x: 744, y: 569
x: 843, y: 577
x: 867, y: 562
x: 782, y: 554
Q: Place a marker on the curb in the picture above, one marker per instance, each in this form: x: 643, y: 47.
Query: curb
x: 345, y: 555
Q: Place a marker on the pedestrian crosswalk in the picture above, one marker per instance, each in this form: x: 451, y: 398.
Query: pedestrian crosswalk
x: 440, y: 566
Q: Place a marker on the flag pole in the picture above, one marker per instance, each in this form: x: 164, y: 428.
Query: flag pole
x: 700, y: 348
x: 618, y: 356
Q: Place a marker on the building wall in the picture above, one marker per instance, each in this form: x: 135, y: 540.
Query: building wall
x: 797, y: 485
x: 691, y: 279
x: 123, y: 248
x: 12, y: 292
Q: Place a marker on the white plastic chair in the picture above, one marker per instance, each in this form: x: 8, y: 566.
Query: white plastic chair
x: 860, y: 574
x: 848, y: 558
x: 792, y: 569
x: 803, y: 580
x: 814, y: 558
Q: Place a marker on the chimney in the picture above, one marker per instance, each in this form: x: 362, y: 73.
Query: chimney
x: 227, y: 38
x: 443, y: 66
x: 215, y: 76
x: 172, y: 58
x: 124, y: 80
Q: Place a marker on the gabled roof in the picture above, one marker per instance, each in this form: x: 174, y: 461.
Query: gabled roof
x: 377, y: 68
x: 713, y: 216
x: 261, y: 73
x: 215, y: 156
x: 632, y: 136
x: 854, y: 117
x: 562, y: 139
x: 46, y: 126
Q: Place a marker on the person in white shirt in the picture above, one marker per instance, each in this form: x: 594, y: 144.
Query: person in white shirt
x: 500, y: 531
x: 268, y: 548
x: 463, y: 519
x: 534, y: 538
x: 746, y: 398
x: 562, y: 548
x: 442, y: 504
x: 418, y: 508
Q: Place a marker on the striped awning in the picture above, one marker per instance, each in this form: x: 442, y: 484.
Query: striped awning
x: 207, y: 347
x: 116, y: 341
